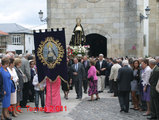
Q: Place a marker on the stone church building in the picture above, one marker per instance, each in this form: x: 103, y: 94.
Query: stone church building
x: 111, y: 27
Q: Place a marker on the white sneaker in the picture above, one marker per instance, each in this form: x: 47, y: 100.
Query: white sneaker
x: 35, y: 111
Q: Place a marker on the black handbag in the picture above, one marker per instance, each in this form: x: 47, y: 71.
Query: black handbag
x: 12, y: 87
x: 91, y: 79
x: 13, y: 84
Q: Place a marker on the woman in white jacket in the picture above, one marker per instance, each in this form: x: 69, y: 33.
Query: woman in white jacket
x: 14, y: 78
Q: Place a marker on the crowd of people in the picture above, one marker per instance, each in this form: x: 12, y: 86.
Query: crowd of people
x: 129, y: 79
x: 16, y: 77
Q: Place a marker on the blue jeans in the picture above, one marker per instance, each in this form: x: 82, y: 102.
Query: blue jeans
x: 41, y: 94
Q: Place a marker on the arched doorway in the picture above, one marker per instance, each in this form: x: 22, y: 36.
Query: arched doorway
x: 98, y: 44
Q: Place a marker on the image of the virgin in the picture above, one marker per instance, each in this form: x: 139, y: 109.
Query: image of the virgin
x: 51, y: 56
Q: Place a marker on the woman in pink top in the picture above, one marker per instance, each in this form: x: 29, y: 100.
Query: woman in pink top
x: 92, y: 77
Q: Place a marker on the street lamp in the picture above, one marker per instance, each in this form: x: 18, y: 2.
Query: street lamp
x: 142, y: 17
x: 41, y: 17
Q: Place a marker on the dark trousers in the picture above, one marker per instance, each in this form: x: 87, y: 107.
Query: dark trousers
x: 143, y: 104
x: 78, y: 88
x: 111, y: 85
x: 154, y: 107
x: 41, y: 94
x: 124, y: 100
x: 0, y: 109
x: 106, y: 81
x: 31, y: 92
x: 23, y: 103
x: 85, y: 85
x: 115, y: 88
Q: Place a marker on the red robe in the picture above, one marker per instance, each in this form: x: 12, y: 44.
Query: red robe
x: 53, y: 98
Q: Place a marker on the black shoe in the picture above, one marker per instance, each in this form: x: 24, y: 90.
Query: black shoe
x: 100, y: 91
x: 126, y: 111
x: 110, y: 91
x: 14, y: 115
x: 85, y: 92
x: 121, y: 110
x: 23, y: 107
x: 77, y: 97
x: 66, y: 97
x: 8, y: 119
x: 97, y: 98
x: 151, y: 118
x: 80, y: 98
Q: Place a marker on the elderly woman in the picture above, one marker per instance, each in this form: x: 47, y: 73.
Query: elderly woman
x: 145, y: 76
x: 92, y: 77
x: 7, y: 84
x: 20, y: 74
x: 15, y: 80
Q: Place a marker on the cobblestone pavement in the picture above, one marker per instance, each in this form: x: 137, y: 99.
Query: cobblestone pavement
x: 107, y: 108
x: 103, y: 109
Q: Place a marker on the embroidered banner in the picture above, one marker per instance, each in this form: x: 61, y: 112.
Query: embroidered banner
x: 50, y: 52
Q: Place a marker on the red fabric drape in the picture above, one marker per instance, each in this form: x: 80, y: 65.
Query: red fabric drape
x: 53, y: 98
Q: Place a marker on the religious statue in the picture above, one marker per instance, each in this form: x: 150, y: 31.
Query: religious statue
x: 78, y: 37
x: 51, y: 57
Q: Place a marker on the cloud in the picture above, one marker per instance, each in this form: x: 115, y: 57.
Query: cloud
x: 10, y: 17
x: 22, y: 12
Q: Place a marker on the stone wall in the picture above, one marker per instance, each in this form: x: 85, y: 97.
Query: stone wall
x: 117, y: 20
x: 154, y: 28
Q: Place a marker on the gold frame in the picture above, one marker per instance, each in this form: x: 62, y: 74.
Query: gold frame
x: 60, y: 52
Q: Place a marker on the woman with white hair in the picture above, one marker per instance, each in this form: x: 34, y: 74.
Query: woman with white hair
x: 15, y: 79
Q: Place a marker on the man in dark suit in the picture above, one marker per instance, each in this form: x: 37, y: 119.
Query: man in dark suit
x: 86, y: 67
x: 101, y: 66
x: 78, y: 74
x: 125, y: 76
x: 154, y: 101
x: 26, y: 70
x: 107, y: 81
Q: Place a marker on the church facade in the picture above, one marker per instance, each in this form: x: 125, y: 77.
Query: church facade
x: 115, y: 23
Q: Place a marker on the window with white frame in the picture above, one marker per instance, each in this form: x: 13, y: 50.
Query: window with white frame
x: 16, y: 40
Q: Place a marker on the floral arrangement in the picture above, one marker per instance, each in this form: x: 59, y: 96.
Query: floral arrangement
x: 76, y: 51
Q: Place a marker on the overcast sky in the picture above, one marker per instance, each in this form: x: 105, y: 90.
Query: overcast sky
x: 23, y: 12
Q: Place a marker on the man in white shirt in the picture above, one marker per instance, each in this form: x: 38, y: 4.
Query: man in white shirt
x: 114, y: 75
x: 101, y: 66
